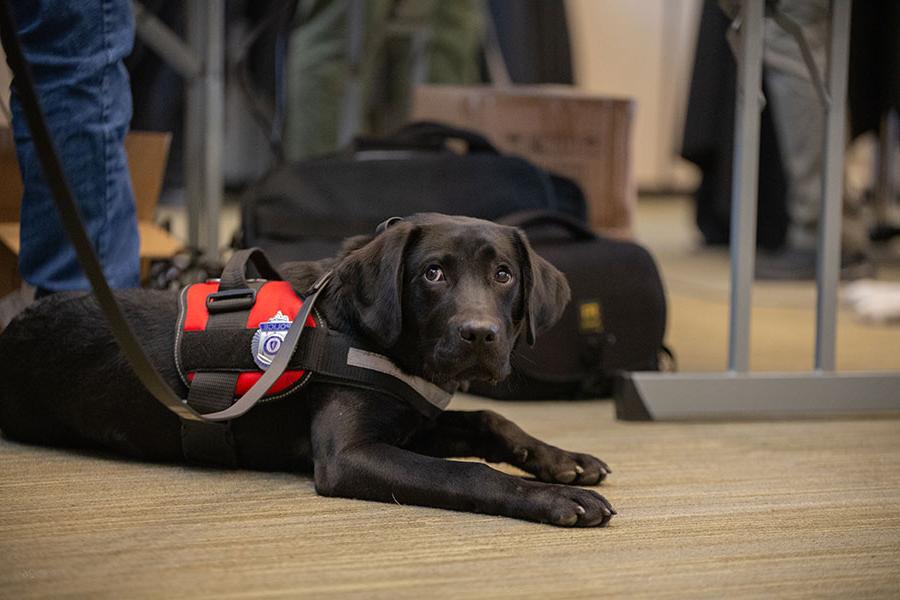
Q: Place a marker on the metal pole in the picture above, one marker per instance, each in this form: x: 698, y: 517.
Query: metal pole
x: 744, y: 182
x: 193, y: 124
x: 214, y: 121
x: 204, y: 125
x: 829, y: 244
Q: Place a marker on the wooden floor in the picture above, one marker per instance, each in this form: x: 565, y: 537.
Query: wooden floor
x: 786, y: 509
x: 797, y: 509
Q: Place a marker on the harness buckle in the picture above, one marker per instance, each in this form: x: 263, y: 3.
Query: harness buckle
x: 229, y: 300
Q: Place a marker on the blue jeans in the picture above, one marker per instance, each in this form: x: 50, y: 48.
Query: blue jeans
x: 76, y: 50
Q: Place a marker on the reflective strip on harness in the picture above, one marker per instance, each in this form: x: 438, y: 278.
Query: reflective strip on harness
x: 435, y: 396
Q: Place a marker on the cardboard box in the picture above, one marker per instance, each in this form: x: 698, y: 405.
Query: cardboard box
x: 147, y: 155
x: 573, y: 133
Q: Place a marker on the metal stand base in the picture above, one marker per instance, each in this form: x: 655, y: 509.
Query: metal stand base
x: 721, y: 396
x: 738, y: 393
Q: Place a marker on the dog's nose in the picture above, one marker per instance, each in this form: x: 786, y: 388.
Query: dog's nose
x: 479, y: 332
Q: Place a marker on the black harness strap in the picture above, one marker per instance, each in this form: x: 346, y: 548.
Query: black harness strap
x: 213, y: 392
x: 228, y: 309
x: 206, y: 441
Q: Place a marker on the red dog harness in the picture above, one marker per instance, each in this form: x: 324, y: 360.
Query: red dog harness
x: 268, y: 319
x: 231, y: 335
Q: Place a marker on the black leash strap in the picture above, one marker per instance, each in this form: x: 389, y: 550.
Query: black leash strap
x: 124, y: 335
x: 65, y: 203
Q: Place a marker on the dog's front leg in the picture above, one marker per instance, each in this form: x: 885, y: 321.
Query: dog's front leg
x: 390, y: 474
x: 488, y: 435
x: 350, y: 462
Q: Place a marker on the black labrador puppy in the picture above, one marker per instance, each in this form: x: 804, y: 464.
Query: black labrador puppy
x: 447, y: 298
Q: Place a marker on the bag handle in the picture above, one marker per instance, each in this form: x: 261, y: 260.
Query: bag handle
x: 426, y: 135
x: 527, y: 219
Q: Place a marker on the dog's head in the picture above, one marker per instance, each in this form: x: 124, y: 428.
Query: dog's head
x: 449, y: 297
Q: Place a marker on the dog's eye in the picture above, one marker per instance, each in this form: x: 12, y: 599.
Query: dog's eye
x: 434, y: 273
x: 503, y: 275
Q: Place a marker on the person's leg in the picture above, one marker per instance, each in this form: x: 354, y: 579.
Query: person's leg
x: 316, y: 73
x: 799, y: 115
x: 455, y: 49
x: 319, y: 71
x: 450, y: 55
x: 800, y: 126
x: 76, y: 51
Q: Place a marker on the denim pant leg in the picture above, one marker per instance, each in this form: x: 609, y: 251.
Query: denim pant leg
x: 76, y: 51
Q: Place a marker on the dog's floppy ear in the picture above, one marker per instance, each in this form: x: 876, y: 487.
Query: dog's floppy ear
x: 545, y: 291
x: 371, y: 281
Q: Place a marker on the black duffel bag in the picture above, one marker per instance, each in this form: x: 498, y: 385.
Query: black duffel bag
x: 303, y: 210
x: 615, y: 321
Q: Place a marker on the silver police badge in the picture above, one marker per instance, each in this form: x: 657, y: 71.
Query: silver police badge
x: 268, y: 339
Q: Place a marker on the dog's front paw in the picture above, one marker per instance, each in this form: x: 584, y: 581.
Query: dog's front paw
x: 554, y: 465
x: 571, y: 506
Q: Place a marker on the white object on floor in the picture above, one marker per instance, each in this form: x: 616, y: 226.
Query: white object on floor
x: 873, y: 301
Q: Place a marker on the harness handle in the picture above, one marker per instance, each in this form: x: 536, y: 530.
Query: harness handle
x: 234, y: 275
x: 234, y: 291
